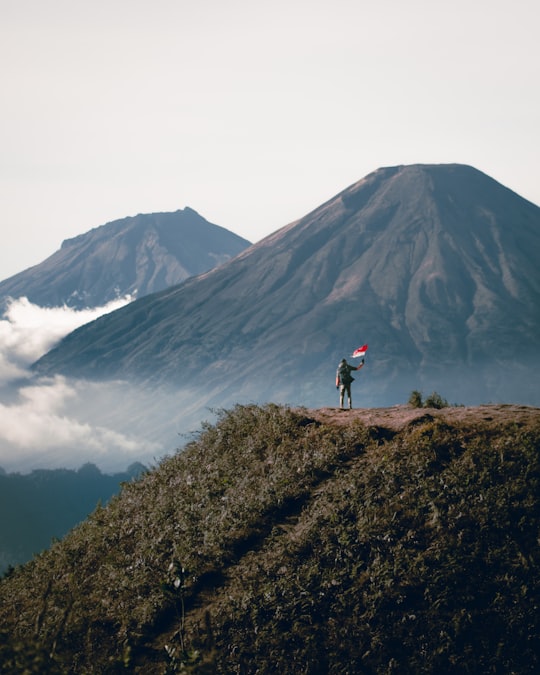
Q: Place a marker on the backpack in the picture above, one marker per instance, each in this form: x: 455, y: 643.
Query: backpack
x: 344, y: 374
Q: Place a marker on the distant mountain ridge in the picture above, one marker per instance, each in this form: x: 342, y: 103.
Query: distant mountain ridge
x: 136, y: 255
x: 46, y: 504
x: 434, y: 266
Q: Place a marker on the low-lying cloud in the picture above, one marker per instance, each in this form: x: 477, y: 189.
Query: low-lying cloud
x: 28, y: 331
x: 55, y: 422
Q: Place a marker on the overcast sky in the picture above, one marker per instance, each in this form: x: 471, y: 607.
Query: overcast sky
x: 252, y: 113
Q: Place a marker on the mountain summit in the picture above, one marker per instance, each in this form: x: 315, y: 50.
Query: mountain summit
x: 434, y: 266
x: 136, y: 255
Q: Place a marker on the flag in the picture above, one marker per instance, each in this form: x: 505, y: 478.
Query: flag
x: 359, y: 352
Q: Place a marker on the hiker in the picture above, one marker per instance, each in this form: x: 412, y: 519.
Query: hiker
x: 344, y: 380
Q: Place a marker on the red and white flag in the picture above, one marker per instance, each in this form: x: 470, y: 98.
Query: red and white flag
x: 359, y: 352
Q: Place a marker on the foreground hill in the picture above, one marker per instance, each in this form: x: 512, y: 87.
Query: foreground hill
x: 137, y: 256
x: 302, y: 541
x: 434, y: 266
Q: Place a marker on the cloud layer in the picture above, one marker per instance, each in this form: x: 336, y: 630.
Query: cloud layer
x: 28, y: 331
x: 55, y: 422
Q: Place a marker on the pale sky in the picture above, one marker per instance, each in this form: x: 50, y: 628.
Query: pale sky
x: 252, y: 113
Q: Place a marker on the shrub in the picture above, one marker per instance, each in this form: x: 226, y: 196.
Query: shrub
x: 415, y: 399
x: 434, y: 400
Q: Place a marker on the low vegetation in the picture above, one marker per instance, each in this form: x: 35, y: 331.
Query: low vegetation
x: 277, y: 543
x: 434, y: 400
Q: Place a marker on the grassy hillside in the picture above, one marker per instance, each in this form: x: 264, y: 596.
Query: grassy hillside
x: 286, y: 541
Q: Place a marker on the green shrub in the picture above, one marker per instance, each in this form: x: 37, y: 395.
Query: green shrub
x: 415, y: 399
x: 434, y: 400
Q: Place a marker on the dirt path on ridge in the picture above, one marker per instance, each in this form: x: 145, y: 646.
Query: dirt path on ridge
x: 399, y: 416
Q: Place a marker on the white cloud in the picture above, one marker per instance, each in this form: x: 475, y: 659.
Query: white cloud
x: 55, y: 422
x: 38, y: 430
x: 9, y: 371
x: 28, y: 331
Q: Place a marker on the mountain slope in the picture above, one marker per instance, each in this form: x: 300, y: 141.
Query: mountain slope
x: 137, y: 255
x: 435, y: 266
x: 285, y: 541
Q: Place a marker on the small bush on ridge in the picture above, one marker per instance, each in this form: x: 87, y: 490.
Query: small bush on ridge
x: 434, y: 400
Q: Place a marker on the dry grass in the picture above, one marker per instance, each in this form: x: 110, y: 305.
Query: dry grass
x: 296, y: 541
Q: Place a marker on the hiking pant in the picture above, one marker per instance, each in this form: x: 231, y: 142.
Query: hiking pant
x: 345, y: 389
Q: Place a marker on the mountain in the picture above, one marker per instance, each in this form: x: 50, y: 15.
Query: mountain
x: 302, y: 541
x: 434, y: 266
x: 137, y: 255
x: 44, y: 504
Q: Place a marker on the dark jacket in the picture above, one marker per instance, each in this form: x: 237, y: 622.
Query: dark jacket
x: 343, y: 373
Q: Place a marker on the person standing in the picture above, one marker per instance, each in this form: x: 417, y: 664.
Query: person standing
x: 344, y: 379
